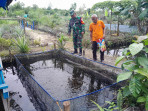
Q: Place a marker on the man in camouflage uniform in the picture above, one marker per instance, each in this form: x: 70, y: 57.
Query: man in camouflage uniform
x: 77, y: 24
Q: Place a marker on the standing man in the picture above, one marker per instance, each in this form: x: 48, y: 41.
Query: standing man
x: 97, y: 32
x: 77, y: 24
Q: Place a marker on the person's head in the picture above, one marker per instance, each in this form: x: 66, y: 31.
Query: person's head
x: 73, y: 14
x: 94, y: 18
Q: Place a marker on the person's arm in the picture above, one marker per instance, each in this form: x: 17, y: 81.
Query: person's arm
x: 104, y: 33
x: 83, y: 26
x: 91, y: 30
x: 91, y: 35
x: 103, y: 26
x: 69, y: 28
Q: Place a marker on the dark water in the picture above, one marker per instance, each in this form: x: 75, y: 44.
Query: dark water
x: 19, y: 97
x: 64, y: 80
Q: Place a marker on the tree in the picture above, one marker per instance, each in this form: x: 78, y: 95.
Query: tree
x: 73, y: 6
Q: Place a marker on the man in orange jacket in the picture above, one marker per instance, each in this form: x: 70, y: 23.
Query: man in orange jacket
x: 97, y: 31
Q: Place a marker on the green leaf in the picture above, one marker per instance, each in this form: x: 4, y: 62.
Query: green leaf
x: 101, y: 109
x: 106, y: 12
x: 124, y: 76
x: 146, y: 50
x: 118, y: 60
x: 141, y: 99
x: 141, y: 38
x: 126, y: 52
x: 126, y: 91
x: 119, y: 100
x: 143, y: 61
x: 146, y: 104
x: 135, y: 48
x: 135, y: 86
x: 142, y: 71
x: 126, y: 64
x: 146, y: 41
x: 130, y: 67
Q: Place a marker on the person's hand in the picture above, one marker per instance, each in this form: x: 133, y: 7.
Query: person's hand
x: 82, y: 33
x: 104, y: 36
x: 69, y: 34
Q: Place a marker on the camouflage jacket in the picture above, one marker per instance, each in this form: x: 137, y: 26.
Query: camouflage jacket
x: 76, y: 24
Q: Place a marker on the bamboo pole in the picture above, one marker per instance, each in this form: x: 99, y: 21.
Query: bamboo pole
x: 66, y: 105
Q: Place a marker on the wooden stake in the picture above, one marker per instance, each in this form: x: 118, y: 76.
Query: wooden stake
x: 66, y: 105
x: 24, y: 26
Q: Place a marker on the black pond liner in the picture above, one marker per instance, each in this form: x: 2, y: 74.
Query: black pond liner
x: 81, y: 103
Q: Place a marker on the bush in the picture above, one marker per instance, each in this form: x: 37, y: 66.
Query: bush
x: 5, y: 43
x: 22, y: 44
x: 61, y: 41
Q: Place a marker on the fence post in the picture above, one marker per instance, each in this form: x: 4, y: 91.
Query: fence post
x: 33, y: 25
x: 66, y: 105
x: 24, y: 26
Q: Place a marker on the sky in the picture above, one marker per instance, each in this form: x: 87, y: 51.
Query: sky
x: 60, y: 4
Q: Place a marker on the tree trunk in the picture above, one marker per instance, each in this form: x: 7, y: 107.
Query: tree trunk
x: 118, y: 27
x: 111, y: 22
x: 139, y: 25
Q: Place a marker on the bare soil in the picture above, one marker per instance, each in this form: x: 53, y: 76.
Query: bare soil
x: 47, y: 43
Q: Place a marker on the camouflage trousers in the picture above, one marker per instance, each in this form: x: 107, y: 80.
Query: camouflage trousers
x: 77, y: 40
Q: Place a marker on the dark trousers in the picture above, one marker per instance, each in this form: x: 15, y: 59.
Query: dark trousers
x: 94, y: 48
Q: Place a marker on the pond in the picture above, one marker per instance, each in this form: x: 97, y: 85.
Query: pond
x: 123, y: 28
x: 39, y: 82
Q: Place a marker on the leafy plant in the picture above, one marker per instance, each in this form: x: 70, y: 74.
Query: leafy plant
x: 112, y: 106
x: 5, y: 43
x: 136, y: 64
x: 61, y: 41
x: 37, y: 42
x: 22, y: 44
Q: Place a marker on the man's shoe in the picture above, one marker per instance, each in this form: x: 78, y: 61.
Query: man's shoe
x: 80, y: 54
x: 95, y: 59
x: 75, y: 51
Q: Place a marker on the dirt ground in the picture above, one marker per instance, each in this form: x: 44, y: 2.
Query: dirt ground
x: 47, y: 43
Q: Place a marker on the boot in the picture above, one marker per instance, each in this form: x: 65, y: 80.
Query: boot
x: 75, y: 51
x: 80, y: 53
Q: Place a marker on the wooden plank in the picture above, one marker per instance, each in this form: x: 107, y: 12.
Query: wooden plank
x: 1, y: 62
x: 5, y: 93
x: 6, y: 103
x: 3, y: 86
x: 10, y: 18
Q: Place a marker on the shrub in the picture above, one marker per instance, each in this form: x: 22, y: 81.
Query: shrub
x: 5, y: 43
x: 22, y: 44
x: 61, y: 41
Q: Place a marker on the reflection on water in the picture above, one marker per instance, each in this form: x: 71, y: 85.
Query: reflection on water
x: 19, y: 98
x: 64, y: 80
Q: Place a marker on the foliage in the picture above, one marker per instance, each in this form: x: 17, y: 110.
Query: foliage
x: 136, y: 92
x: 112, y: 106
x: 22, y: 44
x: 37, y: 42
x: 61, y: 41
x: 5, y: 43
